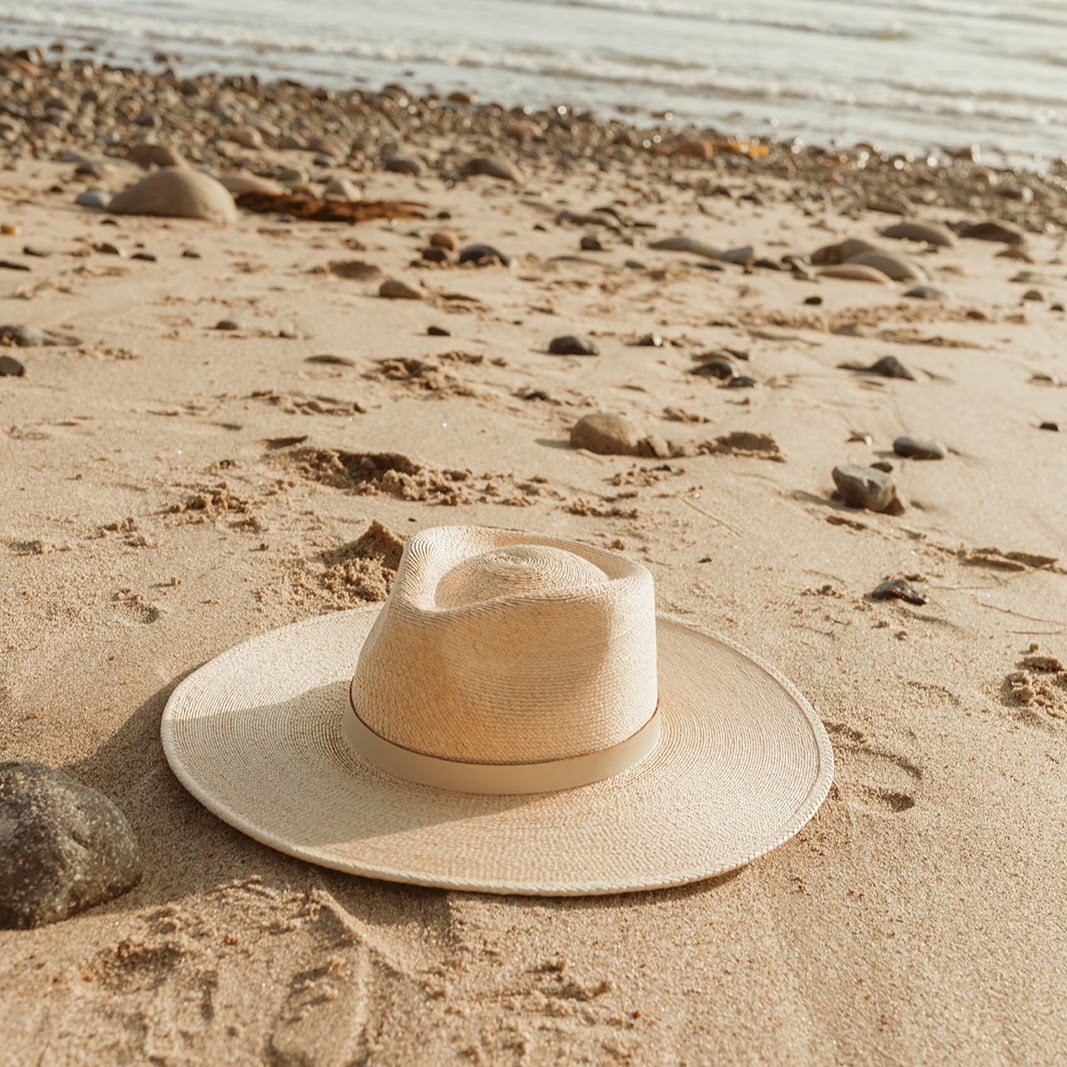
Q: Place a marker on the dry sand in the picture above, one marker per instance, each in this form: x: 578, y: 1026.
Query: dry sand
x: 168, y: 488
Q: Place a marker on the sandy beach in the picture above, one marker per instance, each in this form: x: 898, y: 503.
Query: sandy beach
x: 234, y: 430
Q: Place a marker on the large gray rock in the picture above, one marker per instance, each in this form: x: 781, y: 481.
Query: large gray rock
x: 865, y: 487
x: 919, y: 448
x: 176, y: 192
x: 606, y: 434
x: 63, y: 846
x: 896, y: 267
x: 492, y: 167
x: 932, y: 233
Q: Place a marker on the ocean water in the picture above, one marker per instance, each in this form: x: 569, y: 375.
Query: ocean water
x: 904, y: 74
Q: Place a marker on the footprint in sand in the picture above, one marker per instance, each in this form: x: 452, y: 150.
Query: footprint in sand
x: 879, y: 779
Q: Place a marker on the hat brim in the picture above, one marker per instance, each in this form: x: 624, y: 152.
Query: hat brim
x: 256, y: 736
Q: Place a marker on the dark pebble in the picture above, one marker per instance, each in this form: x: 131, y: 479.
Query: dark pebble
x: 717, y: 367
x: 144, y: 257
x: 435, y: 255
x: 65, y: 847
x: 919, y: 448
x: 438, y: 331
x: 7, y: 264
x: 864, y: 487
x: 483, y: 254
x: 887, y: 367
x: 813, y: 301
x: 591, y: 244
x: 927, y: 292
x: 570, y: 345
x: 1051, y: 307
x: 767, y: 264
x: 1053, y: 426
x: 899, y: 589
x: 883, y: 465
x: 11, y: 367
x: 190, y: 254
x: 36, y: 251
x: 404, y: 165
x: 651, y: 340
x: 634, y: 264
x: 227, y: 324
x: 741, y: 381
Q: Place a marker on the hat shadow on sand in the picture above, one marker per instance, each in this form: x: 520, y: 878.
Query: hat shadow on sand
x: 188, y: 850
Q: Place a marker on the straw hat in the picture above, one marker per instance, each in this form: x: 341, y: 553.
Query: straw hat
x: 514, y: 719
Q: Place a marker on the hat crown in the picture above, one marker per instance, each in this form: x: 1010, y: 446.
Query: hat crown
x: 503, y: 647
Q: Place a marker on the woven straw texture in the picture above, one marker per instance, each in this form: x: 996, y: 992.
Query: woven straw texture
x: 256, y: 735
x: 498, y: 646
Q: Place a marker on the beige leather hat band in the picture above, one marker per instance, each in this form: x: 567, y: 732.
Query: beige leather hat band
x: 499, y: 778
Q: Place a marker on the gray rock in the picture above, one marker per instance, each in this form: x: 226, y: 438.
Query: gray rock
x: 393, y: 289
x: 927, y: 292
x: 687, y: 244
x: 919, y: 448
x: 931, y: 233
x: 607, y: 435
x: 886, y: 367
x: 404, y: 165
x: 94, y: 198
x: 589, y: 243
x: 1033, y: 294
x: 482, y: 254
x: 864, y: 487
x: 492, y: 167
x: 717, y: 367
x: 570, y: 345
x: 63, y: 847
x: 841, y: 251
x: 899, y: 589
x: 33, y: 337
x: 11, y: 367
x: 742, y: 381
x: 892, y: 266
x: 1053, y: 426
x: 651, y: 340
x: 993, y: 230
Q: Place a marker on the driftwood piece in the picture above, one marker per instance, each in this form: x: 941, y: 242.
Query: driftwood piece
x: 313, y: 209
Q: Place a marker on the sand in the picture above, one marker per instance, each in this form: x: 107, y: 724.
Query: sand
x: 169, y: 488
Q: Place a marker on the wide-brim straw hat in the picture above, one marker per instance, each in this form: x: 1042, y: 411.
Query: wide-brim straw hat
x: 514, y: 719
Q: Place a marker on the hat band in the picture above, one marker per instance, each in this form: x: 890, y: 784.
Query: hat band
x: 500, y: 778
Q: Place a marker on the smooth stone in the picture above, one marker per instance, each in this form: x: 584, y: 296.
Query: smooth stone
x: 895, y: 267
x: 841, y: 251
x: 1033, y: 294
x: 63, y: 847
x: 149, y: 154
x: 33, y: 337
x: 812, y: 301
x: 35, y: 250
x: 445, y: 239
x: 744, y: 257
x: 177, y: 192
x: 491, y: 167
x: 993, y: 230
x: 890, y: 367
x: 394, y: 289
x: 687, y: 244
x: 90, y: 170
x: 606, y: 434
x: 437, y: 331
x: 1053, y: 426
x: 96, y: 198
x: 8, y: 264
x: 883, y: 465
x: 899, y: 589
x: 435, y: 255
x: 590, y: 244
x: 247, y: 137
x: 717, y: 367
x: 864, y: 487
x: 479, y: 253
x: 742, y: 381
x: 919, y: 448
x: 238, y: 182
x: 651, y: 340
x: 571, y: 345
x: 930, y: 233
x: 927, y: 292
x: 855, y: 272
x: 403, y: 165
x: 11, y: 367
x: 227, y: 325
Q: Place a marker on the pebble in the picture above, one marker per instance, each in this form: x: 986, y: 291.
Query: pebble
x: 651, y: 340
x: 743, y: 257
x: 813, y: 301
x: 1053, y: 426
x: 35, y: 250
x: 899, y: 589
x: 919, y: 448
x: 570, y: 345
x: 65, y: 847
x: 492, y: 167
x: 883, y: 465
x: 106, y: 248
x: 865, y: 487
x: 227, y: 325
x: 927, y: 292
x: 144, y: 257
x: 247, y: 137
x: 483, y: 255
x: 841, y: 251
x: 931, y: 233
x: 590, y: 244
x: 33, y: 337
x: 1033, y: 294
x: 890, y: 367
x: 149, y: 154
x: 896, y: 267
x: 445, y: 239
x: 177, y: 192
x: 436, y: 255
x: 90, y: 170
x: 1055, y: 307
x: 8, y: 264
x: 11, y: 367
x: 993, y: 230
x: 404, y: 165
x: 342, y: 189
x: 438, y: 331
x: 717, y: 367
x: 606, y: 434
x: 394, y: 289
x: 742, y: 381
x: 687, y: 244
x: 856, y: 272
x: 9, y: 229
